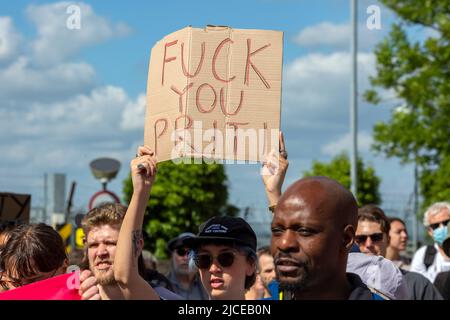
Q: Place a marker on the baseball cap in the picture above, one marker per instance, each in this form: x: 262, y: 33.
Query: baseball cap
x: 178, y: 241
x: 224, y: 229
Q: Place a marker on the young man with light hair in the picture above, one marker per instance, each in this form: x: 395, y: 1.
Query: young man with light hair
x: 105, y: 278
x: 431, y: 260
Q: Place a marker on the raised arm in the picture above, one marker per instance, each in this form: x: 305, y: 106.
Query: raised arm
x: 130, y: 243
x: 274, y: 171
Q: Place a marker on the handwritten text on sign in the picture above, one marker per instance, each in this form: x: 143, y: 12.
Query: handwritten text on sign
x: 214, y: 93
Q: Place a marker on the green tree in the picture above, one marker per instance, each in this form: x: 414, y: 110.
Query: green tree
x: 183, y: 196
x: 418, y: 72
x: 339, y: 170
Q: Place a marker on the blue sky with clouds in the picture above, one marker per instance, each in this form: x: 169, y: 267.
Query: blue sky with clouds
x: 70, y: 96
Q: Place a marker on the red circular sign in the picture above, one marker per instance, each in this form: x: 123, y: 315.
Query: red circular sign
x: 103, y: 194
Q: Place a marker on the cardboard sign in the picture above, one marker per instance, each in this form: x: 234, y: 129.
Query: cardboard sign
x: 14, y: 207
x: 214, y: 93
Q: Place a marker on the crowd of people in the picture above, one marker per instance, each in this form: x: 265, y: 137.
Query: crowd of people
x: 322, y: 247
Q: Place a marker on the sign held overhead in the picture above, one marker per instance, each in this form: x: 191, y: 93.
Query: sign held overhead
x: 214, y: 94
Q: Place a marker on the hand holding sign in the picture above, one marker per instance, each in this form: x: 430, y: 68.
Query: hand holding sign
x: 143, y: 170
x: 274, y: 171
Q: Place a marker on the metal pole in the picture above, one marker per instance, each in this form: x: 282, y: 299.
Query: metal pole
x: 44, y: 213
x: 69, y: 218
x: 353, y: 101
x: 416, y: 206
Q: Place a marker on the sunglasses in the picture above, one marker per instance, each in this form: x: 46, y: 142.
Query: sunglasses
x: 375, y: 237
x: 205, y: 260
x: 434, y: 226
x: 182, y: 251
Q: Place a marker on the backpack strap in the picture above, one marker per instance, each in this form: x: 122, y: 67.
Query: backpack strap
x: 428, y: 258
x: 377, y: 295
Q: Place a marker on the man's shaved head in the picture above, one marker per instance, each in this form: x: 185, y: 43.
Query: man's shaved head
x: 328, y: 196
x: 312, y: 232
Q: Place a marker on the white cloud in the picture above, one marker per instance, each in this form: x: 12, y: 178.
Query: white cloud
x: 134, y: 114
x: 44, y: 73
x: 80, y: 116
x: 336, y: 36
x: 316, y: 89
x: 344, y: 142
x: 324, y: 34
x: 56, y: 42
x: 53, y: 114
x: 10, y: 39
x: 21, y: 81
x: 68, y: 134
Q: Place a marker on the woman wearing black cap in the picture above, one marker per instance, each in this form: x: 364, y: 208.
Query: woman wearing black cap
x: 224, y: 252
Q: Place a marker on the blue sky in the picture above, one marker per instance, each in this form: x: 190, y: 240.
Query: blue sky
x: 69, y: 96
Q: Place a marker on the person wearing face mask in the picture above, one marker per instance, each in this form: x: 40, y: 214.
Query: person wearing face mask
x: 432, y: 260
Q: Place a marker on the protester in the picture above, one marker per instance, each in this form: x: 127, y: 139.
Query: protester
x: 372, y: 232
x: 151, y: 274
x: 130, y: 242
x: 372, y: 236
x: 431, y: 260
x: 256, y: 291
x: 265, y: 276
x: 224, y: 252
x: 266, y: 268
x: 185, y: 279
x: 36, y: 252
x: 273, y: 174
x: 313, y: 230
x: 101, y: 227
x: 150, y: 260
x: 32, y: 253
x: 398, y: 240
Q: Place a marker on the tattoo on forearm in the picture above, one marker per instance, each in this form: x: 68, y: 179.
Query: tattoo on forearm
x: 136, y: 236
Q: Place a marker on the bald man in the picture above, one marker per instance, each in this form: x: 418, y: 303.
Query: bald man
x: 313, y: 229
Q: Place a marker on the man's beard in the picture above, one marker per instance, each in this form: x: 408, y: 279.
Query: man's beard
x: 104, y: 278
x: 297, y: 283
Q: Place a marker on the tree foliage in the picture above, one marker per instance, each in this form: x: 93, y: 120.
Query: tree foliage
x: 339, y: 170
x: 418, y: 73
x: 183, y: 196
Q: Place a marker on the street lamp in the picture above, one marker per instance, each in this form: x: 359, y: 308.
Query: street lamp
x: 104, y: 170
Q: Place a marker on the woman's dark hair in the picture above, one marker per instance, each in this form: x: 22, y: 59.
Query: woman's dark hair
x: 32, y: 248
x: 393, y: 219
